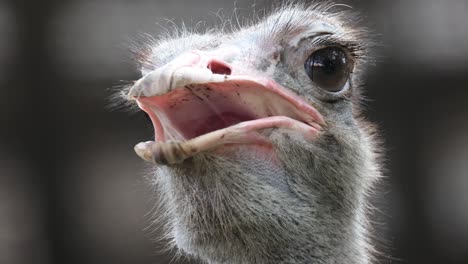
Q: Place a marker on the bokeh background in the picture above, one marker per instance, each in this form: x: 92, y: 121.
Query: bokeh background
x: 72, y: 190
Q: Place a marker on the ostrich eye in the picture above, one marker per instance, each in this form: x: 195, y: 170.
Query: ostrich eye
x: 329, y: 68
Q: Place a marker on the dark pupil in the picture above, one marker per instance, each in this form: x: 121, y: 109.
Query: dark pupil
x: 329, y: 68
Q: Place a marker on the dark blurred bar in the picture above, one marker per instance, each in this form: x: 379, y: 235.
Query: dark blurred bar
x: 72, y: 190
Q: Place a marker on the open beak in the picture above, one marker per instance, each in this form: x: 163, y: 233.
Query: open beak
x: 196, y: 108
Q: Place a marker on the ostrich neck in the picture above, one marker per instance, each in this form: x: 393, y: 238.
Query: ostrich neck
x: 257, y: 231
x: 334, y: 247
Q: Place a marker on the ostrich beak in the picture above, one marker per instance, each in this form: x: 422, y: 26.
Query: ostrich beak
x: 194, y: 109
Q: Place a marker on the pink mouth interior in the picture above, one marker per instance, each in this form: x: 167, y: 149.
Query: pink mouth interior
x: 194, y: 110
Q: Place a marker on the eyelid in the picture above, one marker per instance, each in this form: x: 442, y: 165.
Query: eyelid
x: 318, y: 42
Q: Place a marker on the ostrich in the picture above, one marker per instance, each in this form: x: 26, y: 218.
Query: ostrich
x: 260, y: 153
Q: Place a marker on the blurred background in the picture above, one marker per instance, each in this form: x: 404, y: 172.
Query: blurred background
x: 73, y: 191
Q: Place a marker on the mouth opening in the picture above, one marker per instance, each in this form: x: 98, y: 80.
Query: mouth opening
x: 194, y: 110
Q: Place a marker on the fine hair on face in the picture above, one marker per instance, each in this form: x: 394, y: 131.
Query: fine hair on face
x: 261, y: 153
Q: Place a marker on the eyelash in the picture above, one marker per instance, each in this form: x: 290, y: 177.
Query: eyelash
x: 323, y: 41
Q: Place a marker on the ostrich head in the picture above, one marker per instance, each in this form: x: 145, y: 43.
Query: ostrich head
x: 260, y: 155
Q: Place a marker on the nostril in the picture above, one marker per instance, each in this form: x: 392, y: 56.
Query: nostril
x: 218, y: 67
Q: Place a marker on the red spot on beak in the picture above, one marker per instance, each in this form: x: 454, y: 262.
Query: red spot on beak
x: 218, y: 67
